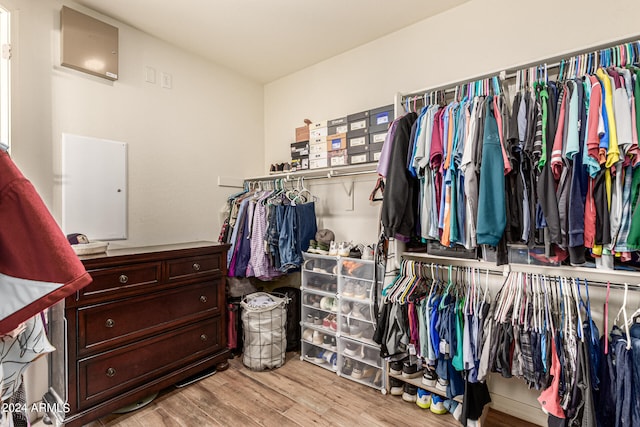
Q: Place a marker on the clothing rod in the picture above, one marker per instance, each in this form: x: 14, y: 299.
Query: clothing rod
x: 592, y: 275
x: 314, y: 174
x: 552, y: 62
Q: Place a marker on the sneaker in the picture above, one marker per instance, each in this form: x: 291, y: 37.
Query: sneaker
x: 328, y: 356
x: 368, y: 371
x: 410, y: 370
x: 348, y: 290
x: 333, y: 249
x: 344, y: 249
x: 334, y: 305
x: 410, y: 392
x: 355, y: 331
x: 377, y: 380
x: 353, y: 349
x: 312, y: 246
x: 457, y: 410
x: 395, y: 367
x: 357, y: 370
x: 345, y: 308
x: 328, y: 339
x: 334, y: 323
x: 423, y: 398
x: 437, y: 405
x: 429, y: 377
x: 396, y: 387
x: 442, y: 384
x: 307, y: 335
x: 326, y: 303
x: 318, y: 337
x: 322, y: 248
x: 360, y: 311
x: 347, y: 367
x: 367, y: 253
x: 326, y: 322
x: 317, y: 321
x: 372, y: 354
x: 355, y: 252
x: 360, y: 292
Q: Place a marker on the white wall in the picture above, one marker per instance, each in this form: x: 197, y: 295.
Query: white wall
x: 474, y: 39
x: 180, y: 140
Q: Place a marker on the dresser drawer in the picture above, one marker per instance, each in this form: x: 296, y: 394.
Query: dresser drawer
x: 183, y: 268
x: 121, y: 280
x: 116, y: 322
x: 108, y: 374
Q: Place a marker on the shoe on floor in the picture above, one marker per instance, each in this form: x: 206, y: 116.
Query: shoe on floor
x: 423, y: 398
x: 396, y: 387
x: 437, y: 405
x: 410, y: 393
x: 410, y: 370
x: 429, y: 377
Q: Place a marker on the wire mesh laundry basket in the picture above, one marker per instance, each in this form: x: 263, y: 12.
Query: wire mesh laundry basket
x: 264, y: 321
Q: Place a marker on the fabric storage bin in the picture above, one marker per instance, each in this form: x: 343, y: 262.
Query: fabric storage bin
x: 264, y: 319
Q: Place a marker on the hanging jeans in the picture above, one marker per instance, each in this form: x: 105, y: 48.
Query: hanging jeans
x: 307, y: 228
x: 635, y: 393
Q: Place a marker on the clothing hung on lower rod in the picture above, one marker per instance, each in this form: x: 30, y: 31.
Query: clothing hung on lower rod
x: 539, y: 329
x: 267, y: 233
x: 557, y: 167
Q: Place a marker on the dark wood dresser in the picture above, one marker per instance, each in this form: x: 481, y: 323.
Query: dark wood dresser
x: 152, y: 316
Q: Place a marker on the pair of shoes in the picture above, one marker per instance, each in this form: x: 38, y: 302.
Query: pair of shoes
x: 395, y: 367
x: 353, y: 349
x: 313, y: 320
x: 315, y: 355
x: 318, y: 337
x: 360, y: 311
x: 362, y: 370
x: 410, y: 370
x: 331, y: 358
x: 367, y: 253
x: 313, y: 247
x: 321, y: 248
x: 355, y: 290
x: 410, y: 392
x: 429, y: 378
x: 280, y: 167
x: 354, y: 330
x: 330, y: 322
x: 396, y: 387
x: 307, y: 335
x: 312, y: 300
x: 423, y: 398
x: 356, y: 251
x: 437, y: 405
x: 329, y: 340
x: 344, y: 249
x: 329, y: 304
x: 333, y: 248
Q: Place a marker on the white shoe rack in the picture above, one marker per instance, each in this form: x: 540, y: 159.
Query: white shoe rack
x: 342, y: 288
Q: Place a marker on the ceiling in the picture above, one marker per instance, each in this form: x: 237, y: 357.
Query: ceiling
x: 268, y: 39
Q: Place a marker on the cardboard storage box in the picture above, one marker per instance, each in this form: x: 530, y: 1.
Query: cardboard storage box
x: 337, y: 141
x: 338, y: 157
x: 381, y: 115
x: 319, y: 163
x: 300, y: 163
x: 357, y: 141
x: 318, y: 132
x: 318, y: 140
x: 358, y: 149
x: 302, y: 133
x: 318, y: 155
x: 318, y: 148
x: 318, y: 125
x: 376, y: 147
x: 379, y: 128
x: 299, y: 149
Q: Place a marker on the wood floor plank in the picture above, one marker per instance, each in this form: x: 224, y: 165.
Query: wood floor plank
x: 297, y: 394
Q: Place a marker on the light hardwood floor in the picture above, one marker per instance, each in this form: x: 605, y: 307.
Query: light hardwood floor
x: 296, y: 394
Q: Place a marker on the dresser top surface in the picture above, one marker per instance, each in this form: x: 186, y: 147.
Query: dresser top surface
x: 123, y: 252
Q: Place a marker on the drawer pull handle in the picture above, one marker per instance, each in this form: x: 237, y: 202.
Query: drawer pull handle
x: 111, y: 372
x: 203, y: 298
x: 109, y: 323
x: 203, y: 337
x: 196, y: 266
x: 123, y: 278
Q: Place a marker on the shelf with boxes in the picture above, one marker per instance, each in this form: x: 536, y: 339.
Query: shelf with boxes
x: 350, y: 140
x: 339, y: 319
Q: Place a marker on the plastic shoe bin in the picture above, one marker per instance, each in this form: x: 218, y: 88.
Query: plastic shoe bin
x: 264, y: 321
